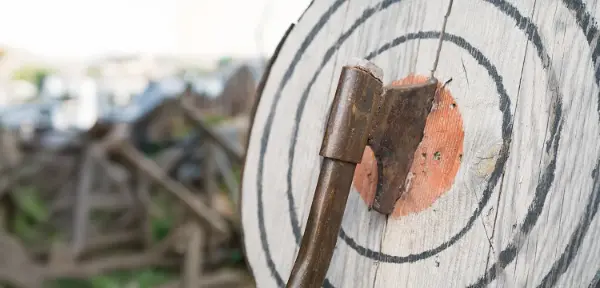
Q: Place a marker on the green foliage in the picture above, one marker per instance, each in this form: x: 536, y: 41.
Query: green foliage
x: 32, y: 74
x: 31, y: 211
x: 161, y: 227
x: 69, y: 283
x: 237, y: 172
x: 31, y: 204
x: 237, y: 256
x: 24, y: 228
x: 151, y: 278
x: 104, y: 282
x: 146, y: 278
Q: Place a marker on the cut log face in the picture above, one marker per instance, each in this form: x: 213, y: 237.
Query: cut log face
x: 521, y: 208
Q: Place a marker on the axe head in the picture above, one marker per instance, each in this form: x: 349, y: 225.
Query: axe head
x: 397, y: 130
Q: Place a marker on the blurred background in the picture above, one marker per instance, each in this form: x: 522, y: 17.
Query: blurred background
x: 123, y: 126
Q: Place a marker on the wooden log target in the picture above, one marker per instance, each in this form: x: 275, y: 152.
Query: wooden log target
x: 508, y: 173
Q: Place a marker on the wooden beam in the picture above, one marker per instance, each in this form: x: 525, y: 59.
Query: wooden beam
x: 144, y: 204
x: 195, y: 116
x: 87, y: 269
x: 150, y: 168
x: 82, y: 202
x: 115, y: 172
x: 210, y: 189
x: 97, y: 243
x: 194, y: 256
x: 168, y: 158
x: 98, y: 201
x: 90, y: 268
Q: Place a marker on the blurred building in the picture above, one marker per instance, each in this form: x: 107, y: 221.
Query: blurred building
x: 79, y: 106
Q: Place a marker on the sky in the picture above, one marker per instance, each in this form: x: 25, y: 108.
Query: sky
x: 76, y: 29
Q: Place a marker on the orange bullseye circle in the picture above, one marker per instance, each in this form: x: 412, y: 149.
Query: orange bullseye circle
x: 436, y: 160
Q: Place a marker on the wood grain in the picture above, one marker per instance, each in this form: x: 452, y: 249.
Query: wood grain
x: 521, y: 211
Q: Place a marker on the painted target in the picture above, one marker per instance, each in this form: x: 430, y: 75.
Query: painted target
x: 509, y: 183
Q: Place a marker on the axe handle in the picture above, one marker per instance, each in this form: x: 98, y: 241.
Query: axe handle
x: 344, y: 142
